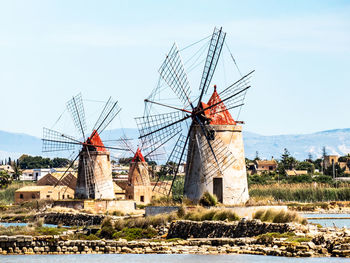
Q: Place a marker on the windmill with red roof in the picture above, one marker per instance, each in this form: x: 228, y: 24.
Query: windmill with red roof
x: 208, y: 140
x: 139, y: 186
x: 94, y: 169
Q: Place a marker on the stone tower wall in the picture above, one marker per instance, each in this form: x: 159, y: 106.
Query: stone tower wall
x: 139, y: 186
x: 234, y: 178
x: 103, y: 176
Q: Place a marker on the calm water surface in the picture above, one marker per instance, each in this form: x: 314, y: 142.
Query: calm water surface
x: 22, y: 224
x: 162, y: 258
x: 337, y: 221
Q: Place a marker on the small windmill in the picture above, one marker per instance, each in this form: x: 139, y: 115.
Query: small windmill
x: 206, y: 134
x: 94, y: 169
x: 139, y: 186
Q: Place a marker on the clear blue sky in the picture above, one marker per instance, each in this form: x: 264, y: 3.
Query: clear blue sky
x: 51, y: 50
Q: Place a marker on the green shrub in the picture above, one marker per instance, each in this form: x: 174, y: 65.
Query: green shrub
x: 208, y: 199
x: 107, y: 230
x: 135, y: 233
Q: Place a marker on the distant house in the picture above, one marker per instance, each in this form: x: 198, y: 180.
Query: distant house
x: 296, y: 172
x: 27, y: 175
x: 43, y: 192
x: 38, y: 173
x: 120, y: 169
x: 330, y: 160
x: 262, y: 166
x: 69, y: 180
x: 7, y: 168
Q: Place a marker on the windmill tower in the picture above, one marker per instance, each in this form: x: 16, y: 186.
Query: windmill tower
x: 94, y: 170
x: 229, y: 182
x: 207, y: 137
x: 139, y: 186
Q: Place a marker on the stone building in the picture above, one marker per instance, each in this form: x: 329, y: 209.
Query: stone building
x: 94, y: 172
x: 329, y: 160
x: 43, y: 192
x: 139, y: 186
x: 69, y: 180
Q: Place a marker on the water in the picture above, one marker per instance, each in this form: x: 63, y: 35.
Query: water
x: 329, y: 222
x: 151, y: 258
x: 5, y: 224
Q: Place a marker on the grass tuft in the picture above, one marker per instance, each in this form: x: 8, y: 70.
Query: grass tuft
x: 279, y: 216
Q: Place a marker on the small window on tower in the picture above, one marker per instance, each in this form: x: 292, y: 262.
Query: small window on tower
x: 21, y: 196
x: 142, y: 198
x: 33, y: 196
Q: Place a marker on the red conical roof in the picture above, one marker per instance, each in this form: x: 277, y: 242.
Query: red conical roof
x: 96, y: 141
x: 218, y: 114
x: 138, y: 156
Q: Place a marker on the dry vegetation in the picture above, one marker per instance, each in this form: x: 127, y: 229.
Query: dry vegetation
x: 279, y: 216
x: 313, y: 192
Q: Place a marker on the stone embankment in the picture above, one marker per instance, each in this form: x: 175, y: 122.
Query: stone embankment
x: 43, y: 245
x: 217, y: 229
x: 72, y: 219
x: 243, y: 237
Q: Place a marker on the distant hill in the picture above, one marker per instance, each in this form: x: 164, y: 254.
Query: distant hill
x: 299, y: 145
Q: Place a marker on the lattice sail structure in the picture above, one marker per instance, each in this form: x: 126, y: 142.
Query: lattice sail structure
x: 94, y: 168
x: 198, y: 144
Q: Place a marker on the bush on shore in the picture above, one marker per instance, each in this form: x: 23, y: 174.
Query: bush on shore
x: 201, y: 214
x: 279, y: 216
x: 208, y: 199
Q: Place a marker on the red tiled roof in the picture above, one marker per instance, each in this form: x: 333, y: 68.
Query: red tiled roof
x: 218, y: 114
x: 138, y: 156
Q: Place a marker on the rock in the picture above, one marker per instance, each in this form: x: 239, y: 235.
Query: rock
x: 126, y: 250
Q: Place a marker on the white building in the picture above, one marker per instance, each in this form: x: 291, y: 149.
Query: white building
x: 41, y: 172
x: 27, y: 175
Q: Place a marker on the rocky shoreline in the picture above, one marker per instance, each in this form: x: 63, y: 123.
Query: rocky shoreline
x: 208, y: 237
x: 55, y: 245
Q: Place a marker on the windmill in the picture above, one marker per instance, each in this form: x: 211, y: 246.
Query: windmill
x: 94, y: 170
x: 139, y: 186
x: 206, y: 136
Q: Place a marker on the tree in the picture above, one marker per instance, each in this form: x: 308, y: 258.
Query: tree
x: 309, y: 159
x: 60, y: 162
x: 324, y: 154
x: 125, y: 161
x: 31, y: 162
x: 318, y: 164
x: 257, y: 158
x: 5, y: 179
x: 338, y: 170
x: 288, y: 161
x: 306, y: 166
x: 16, y: 171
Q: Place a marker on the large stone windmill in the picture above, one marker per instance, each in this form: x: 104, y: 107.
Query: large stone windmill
x: 94, y: 170
x: 205, y: 132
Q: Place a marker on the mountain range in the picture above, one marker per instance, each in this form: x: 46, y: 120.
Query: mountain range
x: 299, y: 145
